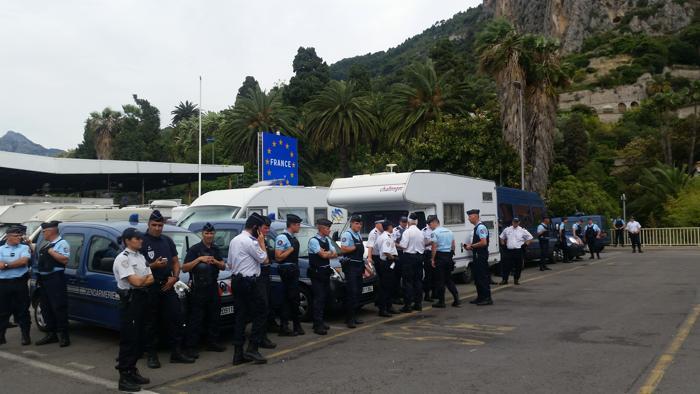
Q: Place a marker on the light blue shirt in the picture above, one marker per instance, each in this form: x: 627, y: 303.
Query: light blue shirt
x: 347, y: 238
x: 541, y: 228
x: 282, y: 242
x: 594, y: 226
x: 443, y: 238
x: 315, y: 245
x: 63, y: 248
x: 9, y: 254
x: 481, y: 231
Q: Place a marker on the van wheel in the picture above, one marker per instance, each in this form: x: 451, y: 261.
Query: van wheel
x: 304, y: 303
x: 466, y: 276
x: 38, y: 316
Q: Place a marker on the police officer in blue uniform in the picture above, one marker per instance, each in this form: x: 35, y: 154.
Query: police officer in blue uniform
x: 428, y: 269
x: 163, y: 303
x: 543, y: 234
x: 265, y: 280
x: 443, y: 248
x: 54, y: 255
x: 480, y: 263
x: 319, y: 271
x: 133, y: 277
x: 14, y: 294
x: 619, y: 225
x: 287, y: 257
x: 203, y: 262
x: 592, y: 232
x: 353, y: 265
x: 561, y: 237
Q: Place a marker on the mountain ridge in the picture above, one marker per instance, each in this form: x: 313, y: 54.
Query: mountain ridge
x: 17, y: 142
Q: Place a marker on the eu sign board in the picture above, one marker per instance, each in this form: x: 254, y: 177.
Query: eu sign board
x: 278, y: 159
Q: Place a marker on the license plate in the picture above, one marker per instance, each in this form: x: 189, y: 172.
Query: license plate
x: 367, y: 289
x: 225, y: 287
x: 226, y: 310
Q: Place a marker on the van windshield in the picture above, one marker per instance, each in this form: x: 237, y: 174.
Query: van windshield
x: 369, y: 217
x: 183, y: 241
x: 207, y: 214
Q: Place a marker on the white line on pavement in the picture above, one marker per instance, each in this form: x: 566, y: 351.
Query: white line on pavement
x: 64, y: 371
x: 84, y: 367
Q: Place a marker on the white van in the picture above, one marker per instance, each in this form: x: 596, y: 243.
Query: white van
x: 85, y: 215
x: 20, y: 212
x: 309, y: 203
x: 392, y: 195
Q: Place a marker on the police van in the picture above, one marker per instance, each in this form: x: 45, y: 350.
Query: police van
x: 91, y: 287
x: 392, y: 195
x: 309, y: 203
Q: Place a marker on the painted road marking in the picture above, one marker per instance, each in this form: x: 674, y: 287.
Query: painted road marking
x: 197, y: 377
x: 665, y: 360
x: 83, y: 367
x: 469, y: 334
x: 33, y: 353
x: 63, y: 371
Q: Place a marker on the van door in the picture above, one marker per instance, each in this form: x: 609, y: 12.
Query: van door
x: 99, y: 297
x: 490, y: 222
x: 76, y: 241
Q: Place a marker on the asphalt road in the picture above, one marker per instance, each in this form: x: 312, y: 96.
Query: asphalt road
x: 625, y: 323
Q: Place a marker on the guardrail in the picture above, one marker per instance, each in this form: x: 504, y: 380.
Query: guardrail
x: 672, y: 236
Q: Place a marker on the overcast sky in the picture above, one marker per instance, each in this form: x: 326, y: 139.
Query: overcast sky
x: 63, y: 59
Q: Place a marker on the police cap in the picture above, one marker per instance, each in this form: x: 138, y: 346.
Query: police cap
x: 130, y: 233
x: 266, y: 221
x: 387, y: 223
x: 516, y: 219
x: 380, y: 221
x: 209, y: 228
x: 51, y: 224
x: 413, y: 216
x: 431, y: 218
x: 16, y: 230
x: 403, y: 219
x: 324, y: 222
x: 293, y: 219
x: 356, y: 219
x: 254, y: 220
x: 473, y: 212
x: 156, y: 216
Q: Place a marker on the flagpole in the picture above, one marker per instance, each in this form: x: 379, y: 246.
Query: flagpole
x: 199, y: 164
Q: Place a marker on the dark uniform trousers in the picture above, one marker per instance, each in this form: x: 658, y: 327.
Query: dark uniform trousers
x: 54, y: 301
x: 267, y: 293
x: 444, y: 265
x: 163, y: 307
x: 544, y: 251
x: 249, y: 305
x: 205, y: 305
x: 386, y: 284
x: 482, y: 276
x: 14, y: 300
x: 592, y: 245
x: 289, y: 276
x: 512, y: 262
x: 353, y: 286
x: 619, y: 237
x: 412, y: 274
x: 397, y: 277
x: 428, y: 274
x: 321, y: 288
x: 635, y: 239
x: 133, y: 305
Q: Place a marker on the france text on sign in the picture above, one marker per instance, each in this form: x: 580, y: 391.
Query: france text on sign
x: 280, y: 159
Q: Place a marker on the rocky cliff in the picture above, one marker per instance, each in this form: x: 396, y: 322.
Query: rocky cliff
x: 572, y: 21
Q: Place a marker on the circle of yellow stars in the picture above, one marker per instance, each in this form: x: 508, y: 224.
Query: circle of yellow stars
x: 291, y: 155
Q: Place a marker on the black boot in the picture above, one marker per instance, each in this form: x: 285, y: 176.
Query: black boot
x: 285, y: 331
x: 267, y: 343
x: 238, y: 357
x: 252, y: 353
x: 191, y: 353
x: 127, y: 384
x: 2, y: 339
x: 178, y: 357
x: 63, y: 339
x: 153, y: 361
x: 26, y: 339
x: 297, y: 328
x: 49, y: 338
x: 136, y: 377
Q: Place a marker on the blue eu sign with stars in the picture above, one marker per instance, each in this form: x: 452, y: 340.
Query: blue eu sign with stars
x: 279, y: 159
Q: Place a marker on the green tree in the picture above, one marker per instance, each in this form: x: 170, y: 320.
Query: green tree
x: 571, y: 195
x: 104, y: 126
x: 574, y: 145
x: 684, y: 210
x: 361, y: 77
x: 657, y: 185
x: 311, y: 74
x: 339, y: 118
x: 139, y: 137
x: 184, y: 111
x: 448, y: 60
x: 664, y: 105
x: 249, y: 84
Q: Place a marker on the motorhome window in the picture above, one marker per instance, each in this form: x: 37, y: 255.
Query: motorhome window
x: 101, y: 254
x: 487, y: 196
x: 259, y: 211
x: 181, y: 240
x: 301, y: 212
x: 488, y: 223
x: 523, y: 213
x: 75, y: 241
x: 453, y: 213
x: 320, y: 213
x: 208, y: 214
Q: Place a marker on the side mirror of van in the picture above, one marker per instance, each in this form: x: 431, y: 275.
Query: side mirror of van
x: 336, y: 237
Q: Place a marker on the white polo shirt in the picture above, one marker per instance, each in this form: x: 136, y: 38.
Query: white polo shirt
x: 129, y: 263
x: 245, y: 255
x: 412, y: 241
x: 515, y: 237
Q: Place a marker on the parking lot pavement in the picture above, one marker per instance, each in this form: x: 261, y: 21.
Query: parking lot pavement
x: 626, y: 323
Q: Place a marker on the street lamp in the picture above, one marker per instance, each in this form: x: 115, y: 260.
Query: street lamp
x: 519, y: 86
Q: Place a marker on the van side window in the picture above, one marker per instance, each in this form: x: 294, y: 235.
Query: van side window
x: 487, y: 196
x: 453, y: 213
x: 75, y: 241
x: 320, y: 213
x: 101, y: 254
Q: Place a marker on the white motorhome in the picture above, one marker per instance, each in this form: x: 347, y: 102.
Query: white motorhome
x: 84, y: 215
x: 309, y: 203
x: 392, y: 195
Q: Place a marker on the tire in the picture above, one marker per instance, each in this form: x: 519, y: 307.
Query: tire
x: 38, y: 317
x: 305, y: 301
x: 465, y: 277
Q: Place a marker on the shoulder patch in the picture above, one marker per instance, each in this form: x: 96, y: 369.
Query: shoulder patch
x: 344, y: 239
x: 280, y: 242
x: 125, y: 263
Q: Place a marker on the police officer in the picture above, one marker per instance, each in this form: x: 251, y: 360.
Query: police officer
x: 14, y: 294
x: 246, y: 253
x: 203, y: 261
x: 265, y: 268
x: 353, y: 265
x: 373, y: 255
x: 386, y: 269
x: 413, y: 245
x: 592, y: 233
x: 319, y: 271
x: 287, y: 257
x: 133, y: 277
x: 634, y: 229
x: 397, y: 235
x: 561, y: 238
x: 428, y: 269
x: 480, y: 263
x: 54, y: 255
x: 543, y: 231
x: 619, y: 226
x: 163, y: 303
x: 514, y: 239
x: 443, y: 248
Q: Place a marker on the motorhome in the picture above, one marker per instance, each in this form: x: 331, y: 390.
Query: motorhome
x: 84, y: 215
x: 20, y: 212
x: 392, y: 195
x: 309, y: 203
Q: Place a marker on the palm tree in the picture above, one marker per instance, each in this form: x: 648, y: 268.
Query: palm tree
x: 665, y: 104
x: 657, y: 185
x: 338, y: 118
x: 694, y: 97
x: 184, y: 111
x: 254, y: 112
x: 422, y: 99
x: 105, y: 125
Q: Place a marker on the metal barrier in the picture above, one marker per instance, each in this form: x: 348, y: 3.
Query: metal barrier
x: 672, y: 236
